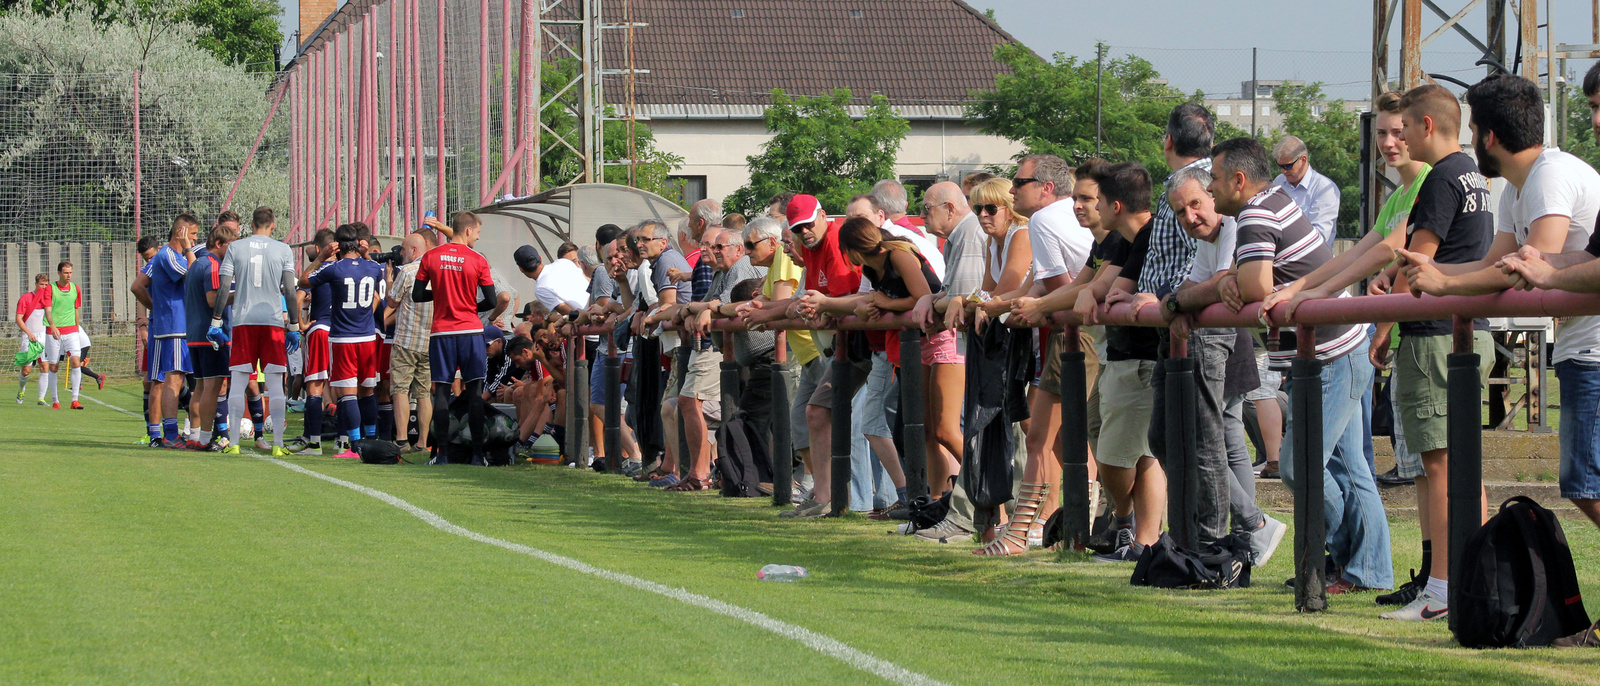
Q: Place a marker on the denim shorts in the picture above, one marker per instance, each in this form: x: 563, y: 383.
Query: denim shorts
x: 1580, y: 429
x: 875, y: 421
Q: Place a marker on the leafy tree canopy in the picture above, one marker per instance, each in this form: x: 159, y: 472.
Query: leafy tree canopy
x: 819, y: 148
x: 238, y: 32
x: 1333, y: 144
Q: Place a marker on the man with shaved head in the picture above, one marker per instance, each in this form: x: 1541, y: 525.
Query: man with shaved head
x: 409, y: 373
x: 1317, y: 195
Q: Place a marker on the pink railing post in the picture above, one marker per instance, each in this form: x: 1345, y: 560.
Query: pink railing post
x: 254, y: 147
x: 138, y: 171
x: 483, y: 101
x: 528, y: 65
x: 506, y: 139
x: 394, y: 89
x: 438, y: 151
x: 414, y: 112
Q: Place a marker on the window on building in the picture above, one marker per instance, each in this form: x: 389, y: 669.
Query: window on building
x: 1316, y: 110
x: 1266, y: 110
x: 737, y: 14
x: 692, y: 188
x: 1244, y: 110
x: 1224, y: 110
x: 857, y: 14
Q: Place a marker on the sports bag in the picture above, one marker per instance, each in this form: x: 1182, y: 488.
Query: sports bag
x: 1516, y: 587
x: 375, y: 451
x: 1223, y: 564
x: 742, y: 459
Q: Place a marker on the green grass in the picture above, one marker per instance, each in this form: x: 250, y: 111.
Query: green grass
x: 119, y: 564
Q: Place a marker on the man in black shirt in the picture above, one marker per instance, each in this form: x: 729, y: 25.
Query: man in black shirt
x: 1131, y: 475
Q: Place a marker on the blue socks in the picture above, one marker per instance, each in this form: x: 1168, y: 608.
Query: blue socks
x: 221, y: 422
x: 154, y: 430
x: 313, y: 415
x: 350, y: 417
x: 369, y: 415
x: 169, y: 430
x: 257, y: 414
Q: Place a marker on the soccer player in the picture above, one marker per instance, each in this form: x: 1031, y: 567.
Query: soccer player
x: 318, y: 354
x: 448, y: 277
x: 209, y: 361
x: 263, y: 270
x: 61, y: 323
x: 354, y: 282
x: 30, y: 318
x: 168, y: 354
x: 146, y: 247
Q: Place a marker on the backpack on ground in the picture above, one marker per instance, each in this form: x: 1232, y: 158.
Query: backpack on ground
x: 1223, y: 564
x: 742, y: 459
x: 1516, y: 587
x: 376, y: 451
x: 926, y: 511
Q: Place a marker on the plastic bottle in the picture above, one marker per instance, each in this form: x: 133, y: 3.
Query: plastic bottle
x: 781, y: 573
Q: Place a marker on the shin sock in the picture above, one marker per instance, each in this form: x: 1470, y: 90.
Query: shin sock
x: 313, y: 419
x: 368, y: 405
x: 278, y: 404
x: 386, y: 421
x: 236, y: 404
x: 258, y: 414
x: 350, y: 416
x: 77, y: 382
x: 440, y: 435
x: 221, y: 421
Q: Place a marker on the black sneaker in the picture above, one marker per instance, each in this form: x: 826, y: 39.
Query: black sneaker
x: 158, y: 443
x: 1406, y: 593
x: 1393, y: 478
x: 1126, y: 550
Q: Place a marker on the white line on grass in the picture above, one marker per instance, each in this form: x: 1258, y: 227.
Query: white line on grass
x: 822, y: 644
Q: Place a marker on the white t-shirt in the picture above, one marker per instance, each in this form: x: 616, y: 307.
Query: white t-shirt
x: 1060, y: 244
x: 562, y: 281
x: 926, y: 243
x: 1559, y: 184
x: 1210, y: 258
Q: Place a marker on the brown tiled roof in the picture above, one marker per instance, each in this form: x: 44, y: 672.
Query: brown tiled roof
x: 914, y: 52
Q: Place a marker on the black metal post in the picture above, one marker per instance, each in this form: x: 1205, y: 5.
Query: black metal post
x: 1183, y: 470
x: 682, y: 359
x: 1076, y: 517
x: 782, y: 444
x: 1310, y: 528
x: 578, y: 400
x: 613, y: 423
x: 1465, y: 435
x: 913, y: 413
x: 843, y: 393
x: 730, y: 385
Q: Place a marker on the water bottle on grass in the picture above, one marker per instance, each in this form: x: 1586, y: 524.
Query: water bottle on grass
x: 781, y: 573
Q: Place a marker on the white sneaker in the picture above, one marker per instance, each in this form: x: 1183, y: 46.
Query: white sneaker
x: 1264, y: 541
x: 1427, y: 607
x: 262, y: 444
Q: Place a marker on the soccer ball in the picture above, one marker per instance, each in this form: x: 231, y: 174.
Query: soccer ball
x: 247, y: 428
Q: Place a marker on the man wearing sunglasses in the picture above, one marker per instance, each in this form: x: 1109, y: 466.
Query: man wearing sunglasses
x: 1317, y: 195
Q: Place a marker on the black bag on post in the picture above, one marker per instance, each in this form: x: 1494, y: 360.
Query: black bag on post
x: 1382, y: 405
x: 1516, y: 587
x: 742, y: 459
x: 990, y: 409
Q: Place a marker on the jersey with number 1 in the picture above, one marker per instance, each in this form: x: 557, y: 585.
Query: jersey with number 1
x: 257, y: 265
x: 355, y: 285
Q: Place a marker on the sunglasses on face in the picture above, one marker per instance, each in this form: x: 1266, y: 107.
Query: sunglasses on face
x: 1022, y: 181
x: 749, y: 246
x: 990, y: 209
x: 1289, y: 166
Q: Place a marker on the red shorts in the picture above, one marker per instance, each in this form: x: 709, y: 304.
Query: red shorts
x: 258, y: 344
x: 385, y: 348
x: 355, y: 364
x: 319, y: 357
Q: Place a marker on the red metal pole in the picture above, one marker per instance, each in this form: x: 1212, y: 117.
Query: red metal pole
x: 394, y: 90
x: 254, y: 147
x: 438, y: 151
x: 415, y: 112
x: 408, y: 127
x: 138, y: 171
x: 506, y: 138
x: 483, y: 101
x: 528, y: 112
x: 369, y: 110
x: 337, y: 114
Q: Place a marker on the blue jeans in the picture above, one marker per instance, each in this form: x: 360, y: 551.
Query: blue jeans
x: 1580, y: 429
x: 1358, y: 530
x: 870, y: 484
x: 1366, y: 410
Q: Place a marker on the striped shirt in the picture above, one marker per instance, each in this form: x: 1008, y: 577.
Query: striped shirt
x: 1171, y: 248
x: 1272, y: 227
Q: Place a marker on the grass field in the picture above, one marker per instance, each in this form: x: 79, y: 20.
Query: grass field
x: 119, y: 564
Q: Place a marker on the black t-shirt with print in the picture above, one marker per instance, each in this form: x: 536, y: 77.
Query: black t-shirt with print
x: 1453, y: 203
x: 1129, y: 342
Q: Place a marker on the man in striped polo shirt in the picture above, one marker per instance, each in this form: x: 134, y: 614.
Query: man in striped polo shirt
x: 1277, y: 245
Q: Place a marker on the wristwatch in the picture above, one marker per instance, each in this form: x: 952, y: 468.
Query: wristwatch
x: 1171, y: 302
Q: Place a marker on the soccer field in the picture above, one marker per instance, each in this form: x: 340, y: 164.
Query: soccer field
x: 119, y: 564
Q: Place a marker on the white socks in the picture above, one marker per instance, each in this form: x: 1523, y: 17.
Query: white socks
x: 236, y: 404
x: 55, y: 387
x: 77, y: 382
x: 1439, y: 587
x: 277, y: 408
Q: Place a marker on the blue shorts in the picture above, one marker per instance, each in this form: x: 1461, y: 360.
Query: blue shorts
x: 465, y: 352
x: 1580, y: 429
x: 167, y: 356
x: 597, y: 380
x: 207, y: 362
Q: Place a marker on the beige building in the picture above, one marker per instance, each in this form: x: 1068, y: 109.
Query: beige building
x: 1263, y: 110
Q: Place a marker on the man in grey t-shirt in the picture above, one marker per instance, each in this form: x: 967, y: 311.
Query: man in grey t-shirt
x: 261, y: 270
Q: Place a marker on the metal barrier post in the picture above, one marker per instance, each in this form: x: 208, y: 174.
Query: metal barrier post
x: 1310, y: 529
x: 682, y: 360
x: 1465, y: 435
x: 613, y: 418
x: 578, y: 404
x: 1076, y: 518
x: 913, y: 413
x: 782, y: 446
x: 1183, y: 470
x: 729, y: 382
x: 843, y: 393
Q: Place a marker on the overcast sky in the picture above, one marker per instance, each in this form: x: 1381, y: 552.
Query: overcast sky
x: 1206, y: 45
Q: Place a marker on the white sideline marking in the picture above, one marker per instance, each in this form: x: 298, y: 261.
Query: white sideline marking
x: 822, y: 644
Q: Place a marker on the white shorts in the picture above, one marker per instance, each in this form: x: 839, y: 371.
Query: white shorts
x: 69, y: 344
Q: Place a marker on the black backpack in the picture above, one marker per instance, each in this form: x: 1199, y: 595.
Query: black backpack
x: 1223, y: 564
x: 742, y: 459
x: 377, y: 451
x: 1516, y: 587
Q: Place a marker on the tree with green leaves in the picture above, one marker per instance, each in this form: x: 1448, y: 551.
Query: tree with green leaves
x: 1333, y: 144
x: 1578, y: 136
x: 1049, y: 107
x: 242, y: 33
x: 817, y: 147
x: 559, y: 165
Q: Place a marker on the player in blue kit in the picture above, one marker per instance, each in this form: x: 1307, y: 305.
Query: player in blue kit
x: 160, y: 284
x: 318, y: 353
x: 208, y: 360
x: 357, y: 286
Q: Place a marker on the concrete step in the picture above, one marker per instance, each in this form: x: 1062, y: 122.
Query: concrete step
x: 1498, y: 445
x: 1273, y: 494
x: 1502, y: 469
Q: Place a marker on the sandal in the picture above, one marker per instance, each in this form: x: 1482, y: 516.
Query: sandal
x: 1015, y: 539
x: 651, y: 476
x: 690, y: 484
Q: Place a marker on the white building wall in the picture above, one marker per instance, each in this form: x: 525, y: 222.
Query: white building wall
x: 717, y: 149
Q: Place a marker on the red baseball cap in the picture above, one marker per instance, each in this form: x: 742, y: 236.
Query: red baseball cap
x: 804, y: 209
